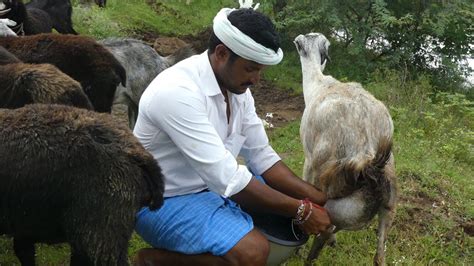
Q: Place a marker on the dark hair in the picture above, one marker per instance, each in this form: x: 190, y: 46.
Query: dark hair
x: 255, y: 25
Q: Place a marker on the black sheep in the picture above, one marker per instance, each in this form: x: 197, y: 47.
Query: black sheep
x: 80, y: 57
x: 22, y: 84
x: 72, y: 175
x: 60, y: 12
x: 29, y: 20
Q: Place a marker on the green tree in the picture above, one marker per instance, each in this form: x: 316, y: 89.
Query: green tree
x: 418, y: 36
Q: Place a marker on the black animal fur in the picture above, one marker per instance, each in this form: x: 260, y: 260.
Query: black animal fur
x: 60, y: 12
x: 29, y: 21
x: 80, y: 57
x: 76, y: 176
x: 22, y: 84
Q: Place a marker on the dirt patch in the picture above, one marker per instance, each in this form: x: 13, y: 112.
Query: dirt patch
x: 468, y: 228
x: 282, y: 106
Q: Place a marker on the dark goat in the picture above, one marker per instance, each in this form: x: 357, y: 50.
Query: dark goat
x: 100, y: 3
x: 29, y: 21
x: 80, y: 57
x: 142, y: 64
x: 60, y: 12
x: 76, y: 176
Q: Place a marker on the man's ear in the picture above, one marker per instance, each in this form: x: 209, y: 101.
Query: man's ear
x: 222, y: 53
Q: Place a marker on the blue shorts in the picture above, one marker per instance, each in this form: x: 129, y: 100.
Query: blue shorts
x: 197, y: 223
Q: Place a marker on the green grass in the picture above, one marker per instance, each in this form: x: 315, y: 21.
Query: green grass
x: 132, y: 17
x: 433, y: 147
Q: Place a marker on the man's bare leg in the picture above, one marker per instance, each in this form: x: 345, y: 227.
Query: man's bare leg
x: 252, y: 249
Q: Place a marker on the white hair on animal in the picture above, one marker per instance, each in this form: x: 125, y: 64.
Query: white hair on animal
x: 347, y: 138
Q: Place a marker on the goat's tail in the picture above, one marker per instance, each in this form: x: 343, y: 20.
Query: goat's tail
x: 153, y: 178
x: 341, y: 178
x: 373, y: 173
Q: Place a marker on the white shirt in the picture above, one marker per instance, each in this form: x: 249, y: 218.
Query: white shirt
x: 182, y: 122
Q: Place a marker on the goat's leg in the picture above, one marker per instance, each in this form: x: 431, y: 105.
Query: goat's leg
x: 385, y: 222
x: 25, y: 251
x: 387, y: 212
x: 318, y: 243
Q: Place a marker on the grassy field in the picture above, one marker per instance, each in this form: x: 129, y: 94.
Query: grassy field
x: 433, y: 147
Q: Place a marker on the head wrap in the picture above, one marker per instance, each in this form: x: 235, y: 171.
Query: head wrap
x: 240, y: 43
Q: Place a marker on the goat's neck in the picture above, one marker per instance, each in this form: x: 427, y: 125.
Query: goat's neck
x: 313, y: 80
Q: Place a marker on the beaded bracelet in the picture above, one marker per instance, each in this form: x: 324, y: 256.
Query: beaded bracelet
x: 300, y: 218
x: 300, y: 211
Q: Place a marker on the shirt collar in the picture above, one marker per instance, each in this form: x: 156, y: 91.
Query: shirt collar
x: 209, y: 83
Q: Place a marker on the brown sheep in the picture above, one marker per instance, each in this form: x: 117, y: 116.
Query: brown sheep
x: 22, y: 84
x: 73, y: 175
x: 7, y: 57
x: 80, y: 57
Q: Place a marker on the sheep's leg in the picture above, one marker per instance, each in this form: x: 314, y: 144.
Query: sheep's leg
x: 79, y: 258
x: 318, y: 243
x: 25, y: 251
x: 386, y: 213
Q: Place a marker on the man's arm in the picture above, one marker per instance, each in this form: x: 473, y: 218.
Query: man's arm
x: 281, y: 178
x: 262, y: 198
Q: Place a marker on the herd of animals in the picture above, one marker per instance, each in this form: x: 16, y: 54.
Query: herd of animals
x: 71, y: 172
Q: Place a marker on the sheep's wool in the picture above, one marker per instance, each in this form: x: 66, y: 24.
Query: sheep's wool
x: 240, y: 43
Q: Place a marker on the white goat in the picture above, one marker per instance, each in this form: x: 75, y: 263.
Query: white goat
x: 347, y: 139
x: 4, y: 29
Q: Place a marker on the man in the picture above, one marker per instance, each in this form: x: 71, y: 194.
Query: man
x: 196, y: 118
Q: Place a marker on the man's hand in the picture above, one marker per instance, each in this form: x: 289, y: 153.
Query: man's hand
x: 317, y: 222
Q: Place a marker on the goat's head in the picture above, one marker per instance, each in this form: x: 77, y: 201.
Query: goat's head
x: 313, y: 47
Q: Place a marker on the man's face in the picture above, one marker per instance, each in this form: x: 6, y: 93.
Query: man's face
x: 237, y: 74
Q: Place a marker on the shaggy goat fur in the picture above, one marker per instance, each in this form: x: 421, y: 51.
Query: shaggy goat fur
x: 347, y: 139
x: 142, y: 64
x: 76, y: 176
x: 22, y: 84
x: 80, y: 57
x: 29, y: 20
x: 60, y: 12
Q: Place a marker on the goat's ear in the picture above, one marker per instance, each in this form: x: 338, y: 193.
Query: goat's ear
x: 324, y: 51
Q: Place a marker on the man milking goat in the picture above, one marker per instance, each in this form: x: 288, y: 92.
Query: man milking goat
x: 196, y: 117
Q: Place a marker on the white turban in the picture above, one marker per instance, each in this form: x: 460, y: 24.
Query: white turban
x: 241, y: 44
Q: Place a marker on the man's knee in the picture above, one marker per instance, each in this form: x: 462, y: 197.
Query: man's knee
x: 253, y: 249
